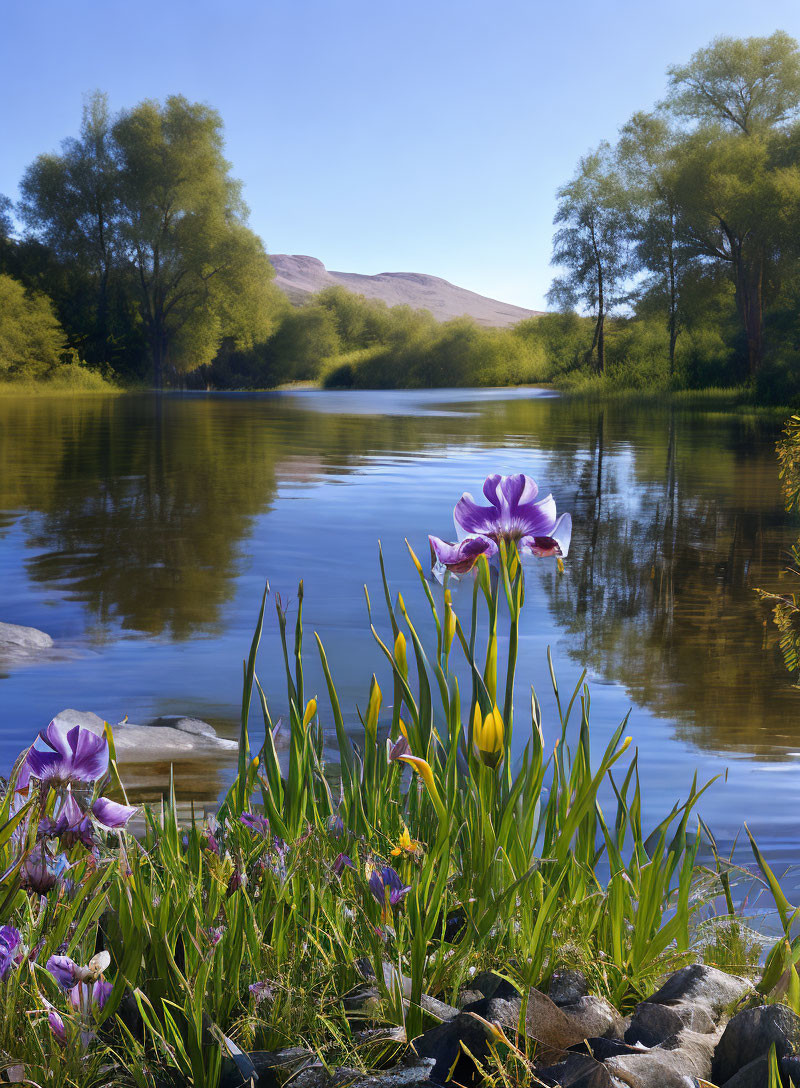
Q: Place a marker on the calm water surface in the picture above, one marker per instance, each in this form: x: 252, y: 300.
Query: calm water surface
x: 140, y: 533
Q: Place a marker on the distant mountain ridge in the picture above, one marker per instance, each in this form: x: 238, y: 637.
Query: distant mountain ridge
x: 299, y: 276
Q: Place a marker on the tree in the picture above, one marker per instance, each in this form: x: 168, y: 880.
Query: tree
x: 646, y: 155
x: 744, y: 84
x: 6, y: 222
x: 733, y: 199
x: 202, y: 275
x: 591, y: 244
x: 31, y: 339
x: 70, y: 203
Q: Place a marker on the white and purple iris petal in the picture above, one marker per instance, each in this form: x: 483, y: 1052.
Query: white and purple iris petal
x: 462, y: 557
x: 62, y: 754
x: 513, y: 515
x: 110, y: 814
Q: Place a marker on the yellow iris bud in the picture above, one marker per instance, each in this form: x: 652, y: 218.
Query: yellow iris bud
x: 488, y: 734
x: 311, y: 710
x: 401, y: 654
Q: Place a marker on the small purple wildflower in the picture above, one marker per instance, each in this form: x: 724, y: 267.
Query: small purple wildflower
x: 335, y: 826
x: 256, y: 822
x: 395, y: 750
x: 64, y: 970
x: 387, y: 887
x: 342, y: 862
x: 85, y: 996
x: 261, y: 991
x: 57, y: 1027
x: 10, y: 941
x: 40, y: 871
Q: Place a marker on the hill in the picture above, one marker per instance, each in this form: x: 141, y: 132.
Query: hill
x: 300, y: 277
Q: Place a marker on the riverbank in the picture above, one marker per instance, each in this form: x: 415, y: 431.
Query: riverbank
x: 735, y: 398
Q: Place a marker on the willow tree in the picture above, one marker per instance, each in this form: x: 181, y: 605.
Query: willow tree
x: 70, y: 203
x: 591, y: 245
x: 743, y: 84
x: 737, y: 165
x: 202, y: 275
x: 646, y: 155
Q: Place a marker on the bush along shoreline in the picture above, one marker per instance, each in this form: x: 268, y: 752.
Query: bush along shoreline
x: 427, y: 911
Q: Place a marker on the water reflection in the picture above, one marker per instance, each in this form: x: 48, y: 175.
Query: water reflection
x: 150, y: 524
x: 677, y: 526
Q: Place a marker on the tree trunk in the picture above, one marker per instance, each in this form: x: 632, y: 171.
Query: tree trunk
x: 749, y: 284
x: 673, y: 314
x: 158, y: 361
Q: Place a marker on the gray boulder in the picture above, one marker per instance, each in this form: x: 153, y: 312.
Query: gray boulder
x: 677, y: 1063
x: 652, y: 1024
x: 194, y: 726
x: 750, y: 1034
x: 156, y: 742
x: 699, y: 983
x: 594, y: 1016
x: 578, y: 1071
x: 446, y: 1044
x: 19, y: 643
x: 567, y: 987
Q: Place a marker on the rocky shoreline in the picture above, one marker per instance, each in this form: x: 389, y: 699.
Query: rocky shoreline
x: 702, y: 1025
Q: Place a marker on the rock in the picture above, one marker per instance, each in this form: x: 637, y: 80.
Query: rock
x: 699, y: 983
x: 652, y: 1024
x: 756, y: 1073
x: 490, y: 984
x: 578, y: 1071
x: 606, y: 1048
x: 153, y: 743
x: 559, y: 1029
x: 678, y: 1063
x: 407, y: 1074
x: 750, y: 1034
x: 594, y: 1016
x: 567, y: 987
x: 19, y: 643
x: 443, y: 1045
x: 195, y: 726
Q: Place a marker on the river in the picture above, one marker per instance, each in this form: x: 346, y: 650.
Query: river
x: 140, y: 531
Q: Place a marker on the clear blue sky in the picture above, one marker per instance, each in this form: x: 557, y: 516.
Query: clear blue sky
x: 377, y: 135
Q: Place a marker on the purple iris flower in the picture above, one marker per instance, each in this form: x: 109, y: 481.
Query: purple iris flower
x: 40, y: 871
x: 57, y: 1027
x: 84, y: 996
x: 335, y: 826
x: 62, y: 754
x: 512, y: 516
x: 10, y: 941
x: 261, y: 991
x: 256, y: 822
x: 64, y: 970
x: 397, y: 749
x: 386, y: 883
x: 68, y: 974
x: 342, y: 862
x: 69, y: 824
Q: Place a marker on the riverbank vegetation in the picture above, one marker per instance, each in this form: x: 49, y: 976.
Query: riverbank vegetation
x: 342, y: 911
x: 676, y: 251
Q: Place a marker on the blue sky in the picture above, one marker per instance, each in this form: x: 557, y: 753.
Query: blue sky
x: 377, y: 135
